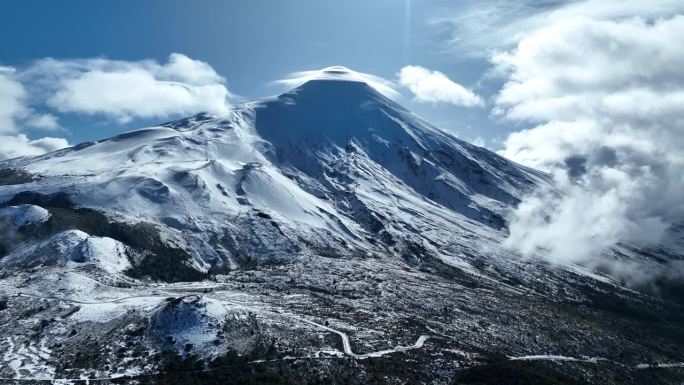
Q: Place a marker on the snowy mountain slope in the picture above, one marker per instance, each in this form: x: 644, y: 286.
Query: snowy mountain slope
x: 327, y: 215
x: 331, y: 165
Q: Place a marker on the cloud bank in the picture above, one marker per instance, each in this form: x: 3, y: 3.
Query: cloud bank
x: 12, y: 146
x: 15, y: 113
x: 12, y: 94
x: 126, y: 90
x: 113, y: 89
x: 435, y: 87
x: 479, y: 27
x: 606, y: 93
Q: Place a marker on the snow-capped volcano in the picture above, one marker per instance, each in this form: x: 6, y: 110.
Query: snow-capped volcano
x: 323, y: 225
x: 332, y: 164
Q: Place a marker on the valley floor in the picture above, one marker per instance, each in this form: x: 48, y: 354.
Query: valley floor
x: 328, y: 320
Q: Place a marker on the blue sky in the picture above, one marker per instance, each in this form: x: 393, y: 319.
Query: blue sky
x: 250, y: 44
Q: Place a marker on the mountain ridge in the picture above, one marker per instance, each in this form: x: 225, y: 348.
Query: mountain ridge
x: 266, y: 144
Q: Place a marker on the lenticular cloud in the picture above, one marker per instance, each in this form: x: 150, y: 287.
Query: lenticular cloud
x: 381, y: 85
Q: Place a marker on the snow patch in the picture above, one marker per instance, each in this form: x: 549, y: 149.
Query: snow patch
x: 74, y: 247
x: 23, y: 215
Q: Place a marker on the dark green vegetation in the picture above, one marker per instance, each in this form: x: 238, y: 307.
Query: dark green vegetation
x: 152, y: 258
x: 10, y: 176
x: 513, y: 373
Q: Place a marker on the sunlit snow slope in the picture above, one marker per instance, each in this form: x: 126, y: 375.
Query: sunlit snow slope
x: 333, y: 166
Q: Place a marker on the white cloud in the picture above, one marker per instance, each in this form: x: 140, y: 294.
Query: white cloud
x: 12, y: 96
x: 607, y: 93
x: 122, y: 90
x: 479, y: 141
x: 583, y: 67
x: 12, y: 146
x: 186, y: 70
x: 43, y: 121
x: 126, y: 90
x: 435, y: 87
x: 14, y: 113
x: 479, y: 27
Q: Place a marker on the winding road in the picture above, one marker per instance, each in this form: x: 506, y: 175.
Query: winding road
x: 347, y: 346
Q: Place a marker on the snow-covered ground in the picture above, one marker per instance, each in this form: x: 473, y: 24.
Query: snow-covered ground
x: 22, y: 215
